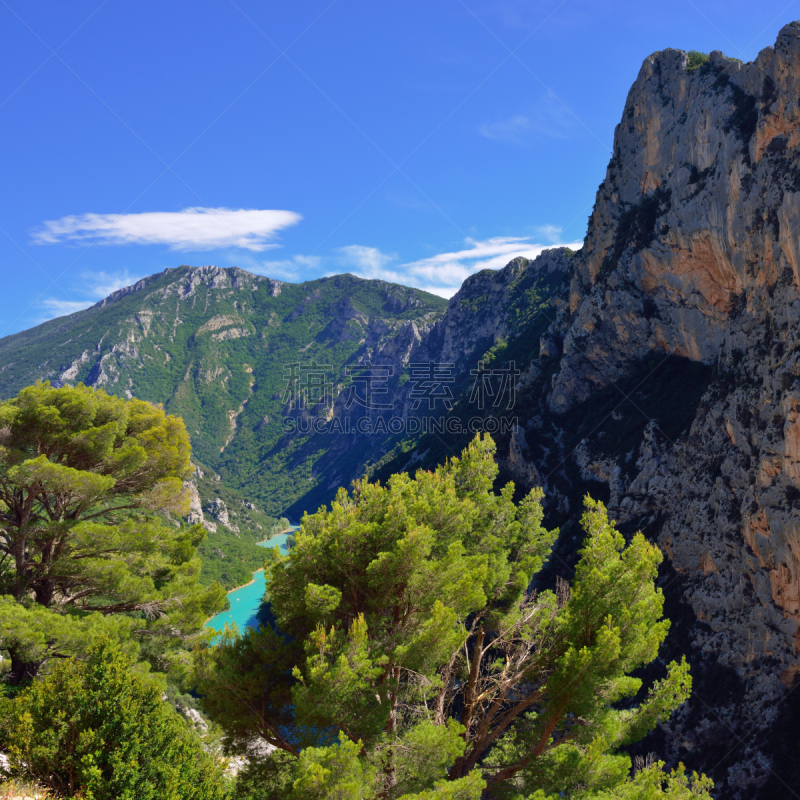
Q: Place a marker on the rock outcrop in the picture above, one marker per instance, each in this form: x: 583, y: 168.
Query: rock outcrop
x: 693, y: 251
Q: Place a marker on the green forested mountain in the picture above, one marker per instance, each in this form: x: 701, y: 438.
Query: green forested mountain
x: 215, y: 346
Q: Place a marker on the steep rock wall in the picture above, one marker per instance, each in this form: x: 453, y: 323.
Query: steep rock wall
x: 693, y: 250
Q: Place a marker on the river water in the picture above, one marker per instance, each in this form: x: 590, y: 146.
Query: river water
x: 246, y: 600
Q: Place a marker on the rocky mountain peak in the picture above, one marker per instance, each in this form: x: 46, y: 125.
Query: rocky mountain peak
x: 696, y: 218
x: 693, y: 252
x: 185, y: 279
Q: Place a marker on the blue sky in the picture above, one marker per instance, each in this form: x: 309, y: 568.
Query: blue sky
x: 413, y: 141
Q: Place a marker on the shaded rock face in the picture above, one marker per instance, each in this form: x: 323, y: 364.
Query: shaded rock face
x: 667, y: 382
x: 693, y: 251
x: 487, y: 309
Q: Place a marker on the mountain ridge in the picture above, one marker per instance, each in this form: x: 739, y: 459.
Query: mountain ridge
x: 192, y: 338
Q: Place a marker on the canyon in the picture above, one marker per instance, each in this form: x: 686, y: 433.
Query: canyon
x: 657, y: 368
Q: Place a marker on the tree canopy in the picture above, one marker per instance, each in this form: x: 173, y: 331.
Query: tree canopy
x: 88, y: 482
x: 411, y: 659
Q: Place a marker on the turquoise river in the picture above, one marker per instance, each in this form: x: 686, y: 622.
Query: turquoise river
x: 246, y: 600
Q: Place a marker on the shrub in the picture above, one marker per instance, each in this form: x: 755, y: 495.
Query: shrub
x: 99, y: 730
x: 696, y: 59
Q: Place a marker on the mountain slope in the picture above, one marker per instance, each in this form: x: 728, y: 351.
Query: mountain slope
x: 213, y: 346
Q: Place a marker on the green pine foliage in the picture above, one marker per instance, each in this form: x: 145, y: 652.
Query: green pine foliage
x: 229, y: 559
x: 413, y: 661
x: 696, y: 60
x: 87, y: 484
x: 98, y: 730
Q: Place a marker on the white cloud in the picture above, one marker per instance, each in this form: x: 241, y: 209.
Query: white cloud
x: 60, y: 308
x: 96, y: 285
x: 286, y: 268
x: 369, y: 261
x: 514, y: 129
x: 190, y: 229
x: 102, y: 284
x: 444, y: 273
x: 552, y: 233
x: 550, y: 117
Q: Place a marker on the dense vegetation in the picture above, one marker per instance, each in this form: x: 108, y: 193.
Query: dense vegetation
x: 230, y: 559
x: 696, y: 60
x: 98, y: 729
x: 229, y: 555
x: 87, y: 544
x: 404, y: 654
x: 410, y: 659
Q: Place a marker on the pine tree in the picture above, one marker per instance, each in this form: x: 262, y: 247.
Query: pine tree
x: 411, y: 658
x: 86, y: 482
x: 98, y: 729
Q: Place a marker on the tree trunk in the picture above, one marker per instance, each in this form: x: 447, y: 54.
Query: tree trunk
x: 21, y: 670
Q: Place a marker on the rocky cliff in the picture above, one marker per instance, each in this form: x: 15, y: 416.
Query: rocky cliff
x: 666, y: 379
x: 693, y: 251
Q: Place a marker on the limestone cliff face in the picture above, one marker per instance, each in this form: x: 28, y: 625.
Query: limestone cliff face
x: 693, y: 250
x: 696, y: 217
x: 666, y: 378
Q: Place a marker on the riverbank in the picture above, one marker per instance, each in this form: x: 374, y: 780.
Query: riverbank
x: 263, y: 543
x: 243, y: 586
x: 245, y: 600
x: 290, y: 529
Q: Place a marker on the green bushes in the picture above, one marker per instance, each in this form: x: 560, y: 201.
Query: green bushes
x: 696, y: 60
x: 99, y: 730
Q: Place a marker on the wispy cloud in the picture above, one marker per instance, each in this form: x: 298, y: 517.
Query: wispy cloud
x: 515, y: 129
x: 53, y: 307
x: 191, y: 229
x: 550, y: 117
x: 444, y: 273
x: 550, y: 233
x: 368, y: 261
x: 102, y: 284
x: 94, y: 286
x: 286, y: 268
